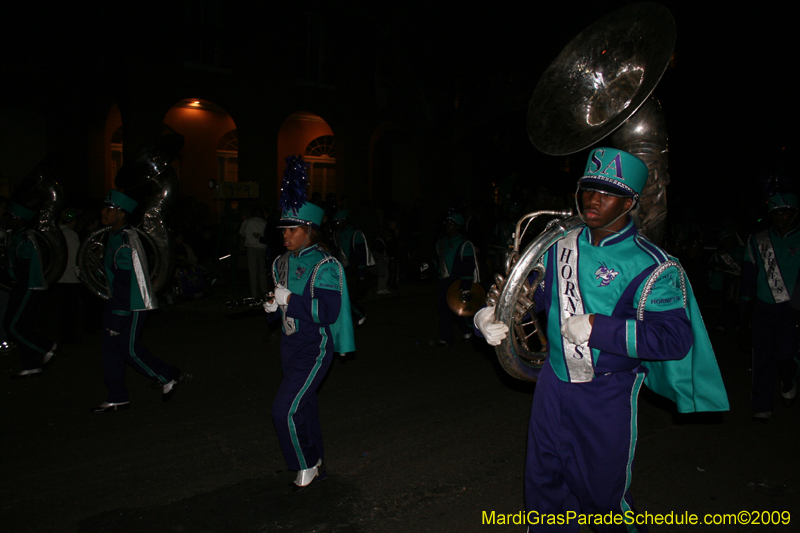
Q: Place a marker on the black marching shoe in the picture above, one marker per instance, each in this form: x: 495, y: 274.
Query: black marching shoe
x: 109, y: 406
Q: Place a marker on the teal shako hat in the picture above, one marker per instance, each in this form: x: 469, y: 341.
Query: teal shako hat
x: 614, y: 172
x: 21, y: 212
x: 341, y: 214
x: 781, y: 201
x: 308, y: 215
x: 119, y: 200
x: 295, y: 210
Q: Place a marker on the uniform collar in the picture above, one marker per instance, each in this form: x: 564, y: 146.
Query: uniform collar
x: 789, y: 233
x: 123, y: 227
x: 307, y: 250
x: 628, y: 231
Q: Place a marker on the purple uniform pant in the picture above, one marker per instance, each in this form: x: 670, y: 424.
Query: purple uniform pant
x: 295, y: 411
x: 581, y: 443
x: 775, y: 346
x: 126, y: 348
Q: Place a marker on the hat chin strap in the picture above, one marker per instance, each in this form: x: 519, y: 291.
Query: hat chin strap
x: 580, y: 213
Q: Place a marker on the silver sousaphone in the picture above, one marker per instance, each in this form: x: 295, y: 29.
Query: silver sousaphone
x: 599, y: 85
x: 41, y: 192
x: 151, y: 180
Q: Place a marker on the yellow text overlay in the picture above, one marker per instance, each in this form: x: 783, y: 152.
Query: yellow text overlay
x: 534, y: 518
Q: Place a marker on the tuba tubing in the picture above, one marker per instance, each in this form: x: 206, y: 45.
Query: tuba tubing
x: 151, y: 168
x: 514, y: 356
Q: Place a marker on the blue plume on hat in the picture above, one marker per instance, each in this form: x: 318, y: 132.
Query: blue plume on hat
x: 294, y: 185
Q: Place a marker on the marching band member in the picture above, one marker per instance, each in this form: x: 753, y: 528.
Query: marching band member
x: 620, y: 313
x: 354, y: 254
x: 457, y: 262
x: 771, y: 269
x: 311, y: 292
x: 130, y: 298
x: 25, y: 269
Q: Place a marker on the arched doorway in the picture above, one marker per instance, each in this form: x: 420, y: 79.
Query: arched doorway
x: 307, y: 134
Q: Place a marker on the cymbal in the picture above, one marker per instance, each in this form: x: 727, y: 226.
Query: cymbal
x: 471, y: 306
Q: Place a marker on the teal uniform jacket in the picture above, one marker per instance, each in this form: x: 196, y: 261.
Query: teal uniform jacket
x: 25, y: 260
x: 645, y: 314
x: 456, y: 258
x: 319, y: 299
x: 780, y: 283
x: 128, y: 277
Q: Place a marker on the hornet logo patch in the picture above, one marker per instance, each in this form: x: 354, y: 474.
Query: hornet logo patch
x: 300, y: 271
x: 605, y: 275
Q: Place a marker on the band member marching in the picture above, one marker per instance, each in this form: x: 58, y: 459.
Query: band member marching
x: 26, y: 270
x: 620, y: 313
x: 311, y: 292
x: 131, y: 297
x: 771, y: 271
x: 456, y: 262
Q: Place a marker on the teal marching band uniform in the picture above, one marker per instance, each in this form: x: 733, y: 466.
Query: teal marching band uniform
x: 620, y: 314
x: 26, y: 271
x: 131, y: 297
x: 456, y: 261
x: 770, y: 277
x: 355, y: 256
x: 311, y: 292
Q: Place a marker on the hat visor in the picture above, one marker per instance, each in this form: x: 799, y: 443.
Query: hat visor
x: 591, y: 184
x: 292, y: 223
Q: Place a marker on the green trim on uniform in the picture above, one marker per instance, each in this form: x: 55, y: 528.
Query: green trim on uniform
x: 132, y: 351
x: 637, y: 386
x: 14, y: 325
x: 315, y: 310
x: 630, y: 338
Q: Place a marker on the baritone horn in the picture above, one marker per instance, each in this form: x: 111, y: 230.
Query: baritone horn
x: 151, y: 180
x: 599, y: 85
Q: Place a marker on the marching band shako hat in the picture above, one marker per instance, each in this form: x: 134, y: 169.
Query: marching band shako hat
x: 295, y: 210
x: 781, y: 201
x: 21, y: 212
x: 308, y: 215
x: 614, y: 172
x: 341, y: 214
x: 119, y: 200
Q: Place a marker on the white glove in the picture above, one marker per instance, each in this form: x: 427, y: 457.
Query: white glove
x: 282, y: 295
x: 271, y: 306
x: 493, y: 332
x: 577, y: 329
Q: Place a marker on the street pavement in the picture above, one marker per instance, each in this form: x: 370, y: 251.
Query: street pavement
x: 418, y: 438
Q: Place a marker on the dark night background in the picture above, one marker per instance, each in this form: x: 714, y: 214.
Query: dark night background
x: 418, y: 438
x: 728, y: 99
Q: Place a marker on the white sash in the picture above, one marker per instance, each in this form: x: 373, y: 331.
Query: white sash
x: 578, y: 358
x: 733, y: 268
x: 771, y: 268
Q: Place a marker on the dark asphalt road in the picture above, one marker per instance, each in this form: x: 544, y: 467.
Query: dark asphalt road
x: 418, y: 439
